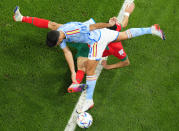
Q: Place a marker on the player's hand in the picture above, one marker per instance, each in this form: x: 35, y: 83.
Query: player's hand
x: 112, y: 21
x: 130, y: 8
x: 73, y: 77
x: 104, y: 64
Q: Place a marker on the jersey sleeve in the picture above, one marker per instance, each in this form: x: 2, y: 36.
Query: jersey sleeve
x: 85, y: 25
x: 84, y: 28
x: 63, y: 44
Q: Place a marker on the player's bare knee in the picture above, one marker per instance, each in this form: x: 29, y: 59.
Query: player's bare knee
x: 91, y: 67
x: 81, y: 63
x: 90, y: 70
x: 121, y: 36
x: 127, y: 62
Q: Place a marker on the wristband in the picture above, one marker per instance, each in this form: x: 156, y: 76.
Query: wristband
x: 126, y: 14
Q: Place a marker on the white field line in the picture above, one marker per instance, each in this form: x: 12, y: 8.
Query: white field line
x: 71, y: 125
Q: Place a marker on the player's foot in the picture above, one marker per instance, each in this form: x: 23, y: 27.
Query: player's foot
x: 157, y: 31
x: 88, y: 104
x: 76, y: 87
x: 17, y: 15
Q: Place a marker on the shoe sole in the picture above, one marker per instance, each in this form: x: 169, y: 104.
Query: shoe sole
x: 72, y: 90
x: 163, y: 35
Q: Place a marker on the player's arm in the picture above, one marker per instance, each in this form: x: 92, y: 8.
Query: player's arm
x: 111, y: 23
x: 116, y: 65
x: 53, y: 25
x: 70, y: 61
x: 129, y: 9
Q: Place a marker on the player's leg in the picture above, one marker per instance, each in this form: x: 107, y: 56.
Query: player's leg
x: 82, y: 57
x: 38, y: 22
x: 95, y: 54
x: 116, y: 49
x: 91, y: 83
x: 119, y: 64
x: 135, y: 32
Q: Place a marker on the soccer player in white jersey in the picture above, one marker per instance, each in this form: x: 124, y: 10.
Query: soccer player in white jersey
x: 87, y: 32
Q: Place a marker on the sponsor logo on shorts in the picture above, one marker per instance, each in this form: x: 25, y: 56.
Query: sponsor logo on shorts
x: 121, y: 52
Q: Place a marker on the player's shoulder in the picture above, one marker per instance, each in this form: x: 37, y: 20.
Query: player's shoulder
x: 69, y: 26
x: 89, y: 22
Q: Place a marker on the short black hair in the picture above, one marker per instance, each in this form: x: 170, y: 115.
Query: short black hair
x: 114, y: 27
x: 52, y: 38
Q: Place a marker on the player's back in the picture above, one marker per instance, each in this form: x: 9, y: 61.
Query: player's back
x: 79, y: 32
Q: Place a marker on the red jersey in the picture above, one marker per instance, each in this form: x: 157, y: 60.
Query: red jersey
x: 115, y: 48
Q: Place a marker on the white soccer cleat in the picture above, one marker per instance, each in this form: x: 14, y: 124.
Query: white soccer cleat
x: 17, y: 15
x: 157, y: 31
x: 88, y: 104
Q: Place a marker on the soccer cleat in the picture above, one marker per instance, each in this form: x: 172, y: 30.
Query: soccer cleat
x: 76, y: 87
x: 17, y: 15
x: 157, y: 31
x: 88, y: 104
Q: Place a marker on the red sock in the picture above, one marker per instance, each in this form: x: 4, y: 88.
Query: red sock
x: 41, y: 23
x: 80, y: 76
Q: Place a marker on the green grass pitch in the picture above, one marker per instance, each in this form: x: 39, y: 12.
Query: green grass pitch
x: 34, y: 78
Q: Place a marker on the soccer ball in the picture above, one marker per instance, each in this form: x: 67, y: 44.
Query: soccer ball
x: 84, y: 120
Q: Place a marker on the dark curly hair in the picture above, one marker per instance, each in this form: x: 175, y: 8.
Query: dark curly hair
x: 52, y: 38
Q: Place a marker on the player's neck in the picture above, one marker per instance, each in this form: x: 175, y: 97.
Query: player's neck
x: 62, y: 36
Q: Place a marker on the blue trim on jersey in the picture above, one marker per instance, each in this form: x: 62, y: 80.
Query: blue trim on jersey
x: 99, y: 36
x: 94, y: 39
x: 117, y: 36
x: 98, y: 59
x: 93, y: 20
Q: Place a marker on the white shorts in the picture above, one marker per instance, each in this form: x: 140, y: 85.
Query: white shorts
x: 97, y: 49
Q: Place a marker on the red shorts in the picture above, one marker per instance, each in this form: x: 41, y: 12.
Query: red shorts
x: 116, y: 49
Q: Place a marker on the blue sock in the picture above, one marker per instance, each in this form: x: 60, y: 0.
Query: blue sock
x: 134, y: 32
x: 91, y: 82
